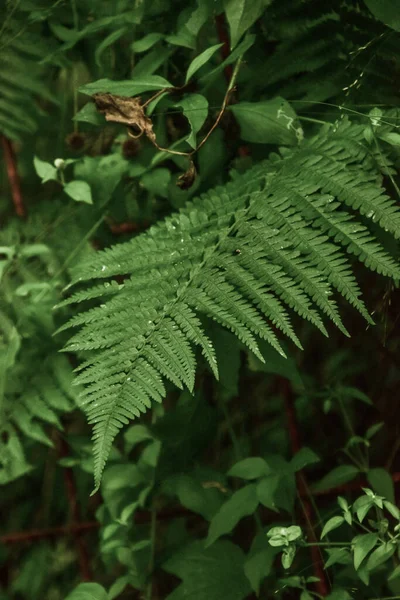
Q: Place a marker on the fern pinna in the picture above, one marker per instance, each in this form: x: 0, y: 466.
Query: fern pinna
x: 276, y: 239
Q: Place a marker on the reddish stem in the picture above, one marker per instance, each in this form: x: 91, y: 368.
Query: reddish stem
x: 322, y: 586
x: 224, y: 39
x: 13, y: 177
x: 75, y: 517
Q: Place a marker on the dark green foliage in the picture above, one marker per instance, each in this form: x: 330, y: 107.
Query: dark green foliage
x: 200, y: 309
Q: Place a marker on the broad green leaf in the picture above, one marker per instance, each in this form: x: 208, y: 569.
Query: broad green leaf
x: 214, y: 573
x: 306, y: 596
x: 259, y: 561
x: 45, y: 170
x: 363, y: 544
x: 250, y: 468
x: 195, y: 109
x: 194, y: 496
x: 79, y: 191
x: 391, y: 138
x: 88, y: 591
x: 201, y: 60
x: 338, y: 476
x: 267, y: 122
x: 156, y: 181
x: 118, y: 587
x: 303, y: 458
x: 395, y: 574
x: 241, y: 504
x: 338, y: 556
x: 241, y: 14
x: 332, y: 524
x: 266, y: 489
x: 390, y: 507
x: 380, y: 555
x: 362, y: 506
x: 386, y: 11
x: 382, y: 483
x: 126, y: 87
x: 147, y: 42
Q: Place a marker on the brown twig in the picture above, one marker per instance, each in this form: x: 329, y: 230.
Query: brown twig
x: 322, y: 586
x: 13, y: 177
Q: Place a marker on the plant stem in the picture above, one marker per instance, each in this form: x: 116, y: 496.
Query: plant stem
x: 10, y: 160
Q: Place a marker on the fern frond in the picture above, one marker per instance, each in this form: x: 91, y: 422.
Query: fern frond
x: 279, y: 238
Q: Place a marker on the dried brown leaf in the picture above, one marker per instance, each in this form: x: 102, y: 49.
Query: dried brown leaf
x: 126, y: 111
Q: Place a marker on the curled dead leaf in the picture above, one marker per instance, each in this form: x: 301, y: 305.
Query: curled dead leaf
x: 126, y: 111
x: 187, y: 179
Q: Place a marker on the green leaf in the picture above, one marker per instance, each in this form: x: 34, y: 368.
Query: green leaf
x: 362, y: 506
x: 338, y: 476
x: 339, y: 594
x: 201, y: 60
x: 266, y: 489
x: 395, y: 574
x: 126, y: 87
x: 107, y: 42
x: 250, y: 468
x: 386, y: 11
x: 79, y: 191
x: 288, y: 557
x: 382, y: 483
x: 303, y: 458
x: 241, y: 14
x: 381, y: 555
x: 332, y: 524
x: 195, y: 109
x: 306, y: 596
x: 259, y: 561
x: 371, y: 431
x: 337, y: 556
x: 267, y: 122
x: 214, y: 573
x: 156, y: 182
x: 45, y: 170
x: 241, y: 504
x: 363, y: 544
x: 238, y: 52
x: 146, y: 42
x: 390, y: 507
x: 88, y: 591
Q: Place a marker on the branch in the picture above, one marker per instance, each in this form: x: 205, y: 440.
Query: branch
x: 12, y: 172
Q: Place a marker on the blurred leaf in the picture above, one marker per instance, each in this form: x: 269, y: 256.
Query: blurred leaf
x: 382, y: 483
x: 266, y: 122
x: 214, y: 573
x: 386, y: 11
x: 304, y: 457
x: 250, y: 468
x: 126, y: 87
x: 338, y: 476
x: 241, y: 504
x: 79, y: 191
x: 88, y: 591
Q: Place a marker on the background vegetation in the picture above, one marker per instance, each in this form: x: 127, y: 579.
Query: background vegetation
x: 240, y: 393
